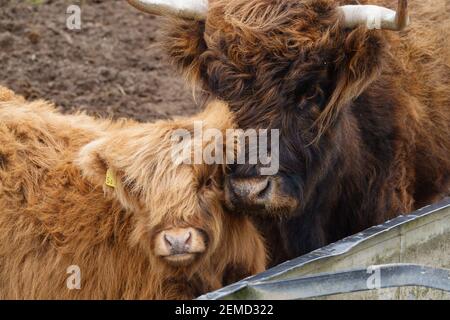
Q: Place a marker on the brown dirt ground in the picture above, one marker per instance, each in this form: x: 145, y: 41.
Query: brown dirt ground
x: 111, y: 67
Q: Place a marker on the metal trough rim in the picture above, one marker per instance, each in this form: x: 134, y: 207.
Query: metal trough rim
x: 335, y: 249
x: 356, y: 280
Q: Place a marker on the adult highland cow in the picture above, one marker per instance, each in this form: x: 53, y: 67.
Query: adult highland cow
x: 363, y: 106
x: 106, y: 202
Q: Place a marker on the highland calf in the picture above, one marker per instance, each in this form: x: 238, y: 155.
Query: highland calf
x: 362, y: 105
x: 106, y: 197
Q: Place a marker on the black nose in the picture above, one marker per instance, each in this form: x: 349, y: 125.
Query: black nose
x: 250, y: 190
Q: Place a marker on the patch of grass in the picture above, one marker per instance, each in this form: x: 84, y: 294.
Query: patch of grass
x: 36, y: 2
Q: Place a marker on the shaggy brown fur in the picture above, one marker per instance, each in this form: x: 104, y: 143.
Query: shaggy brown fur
x: 56, y: 210
x: 364, y: 114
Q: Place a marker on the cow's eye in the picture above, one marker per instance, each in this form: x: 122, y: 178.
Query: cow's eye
x: 209, y: 183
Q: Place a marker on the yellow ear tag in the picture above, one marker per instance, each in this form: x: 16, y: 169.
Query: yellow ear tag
x: 110, y: 180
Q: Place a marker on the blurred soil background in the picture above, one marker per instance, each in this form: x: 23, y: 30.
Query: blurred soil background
x: 112, y: 67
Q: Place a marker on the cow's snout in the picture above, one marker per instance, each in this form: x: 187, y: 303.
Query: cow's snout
x: 251, y: 190
x: 260, y: 195
x: 180, y: 245
x: 178, y: 241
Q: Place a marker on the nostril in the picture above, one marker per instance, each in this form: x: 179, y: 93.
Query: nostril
x: 188, y: 239
x: 264, y: 189
x: 235, y: 187
x: 169, y: 240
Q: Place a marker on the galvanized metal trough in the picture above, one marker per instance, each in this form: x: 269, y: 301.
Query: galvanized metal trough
x: 404, y: 258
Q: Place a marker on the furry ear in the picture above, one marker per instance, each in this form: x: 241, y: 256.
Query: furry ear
x: 184, y: 43
x: 96, y: 161
x: 359, y: 64
x: 93, y: 162
x: 365, y: 51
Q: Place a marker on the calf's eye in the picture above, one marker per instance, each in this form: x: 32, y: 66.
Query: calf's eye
x: 209, y: 183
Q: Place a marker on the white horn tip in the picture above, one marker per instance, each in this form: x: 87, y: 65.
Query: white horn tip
x: 192, y: 9
x: 373, y: 17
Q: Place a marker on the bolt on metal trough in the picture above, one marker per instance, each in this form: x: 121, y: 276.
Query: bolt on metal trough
x: 405, y: 258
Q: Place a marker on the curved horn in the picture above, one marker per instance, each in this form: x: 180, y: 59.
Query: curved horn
x: 190, y: 9
x: 376, y: 17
